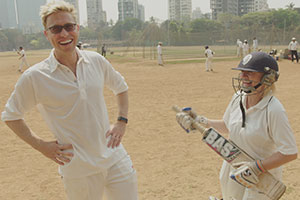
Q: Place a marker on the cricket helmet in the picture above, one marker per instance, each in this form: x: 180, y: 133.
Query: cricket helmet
x: 258, y: 62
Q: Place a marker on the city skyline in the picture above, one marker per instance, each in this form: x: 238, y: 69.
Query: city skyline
x: 161, y: 11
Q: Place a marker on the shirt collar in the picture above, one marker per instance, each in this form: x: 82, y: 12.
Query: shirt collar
x: 53, y: 62
x: 262, y: 103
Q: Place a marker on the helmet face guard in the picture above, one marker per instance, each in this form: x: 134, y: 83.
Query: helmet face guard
x: 256, y: 62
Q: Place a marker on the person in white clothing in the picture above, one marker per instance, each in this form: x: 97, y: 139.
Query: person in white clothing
x: 245, y: 48
x: 67, y: 88
x: 255, y: 44
x: 23, y: 59
x: 160, y: 59
x: 293, y: 47
x: 256, y: 122
x: 239, y: 48
x: 209, y: 58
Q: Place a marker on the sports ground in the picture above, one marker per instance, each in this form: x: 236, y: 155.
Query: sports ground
x: 171, y: 164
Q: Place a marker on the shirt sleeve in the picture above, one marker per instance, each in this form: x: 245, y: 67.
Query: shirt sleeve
x: 113, y: 79
x: 281, y: 132
x: 21, y: 100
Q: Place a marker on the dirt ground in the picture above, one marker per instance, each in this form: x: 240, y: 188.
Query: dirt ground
x: 171, y: 165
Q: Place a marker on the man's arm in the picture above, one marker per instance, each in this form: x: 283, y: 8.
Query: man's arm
x: 51, y: 149
x: 118, y: 130
x: 219, y: 125
x: 277, y: 159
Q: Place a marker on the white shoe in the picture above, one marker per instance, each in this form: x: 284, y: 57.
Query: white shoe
x: 213, y: 198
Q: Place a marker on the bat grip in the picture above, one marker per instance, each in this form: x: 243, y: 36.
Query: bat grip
x: 193, y: 114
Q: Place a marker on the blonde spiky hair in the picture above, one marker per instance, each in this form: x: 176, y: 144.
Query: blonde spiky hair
x: 54, y: 7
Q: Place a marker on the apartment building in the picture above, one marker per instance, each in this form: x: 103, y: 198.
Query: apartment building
x: 180, y: 10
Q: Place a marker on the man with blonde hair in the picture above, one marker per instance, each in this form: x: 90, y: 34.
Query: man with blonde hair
x: 67, y: 88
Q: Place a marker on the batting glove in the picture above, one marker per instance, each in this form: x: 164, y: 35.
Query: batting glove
x: 247, y: 173
x: 185, y: 121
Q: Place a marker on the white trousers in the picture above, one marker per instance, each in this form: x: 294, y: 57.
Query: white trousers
x: 160, y: 59
x: 23, y: 61
x: 118, y: 183
x: 208, y: 63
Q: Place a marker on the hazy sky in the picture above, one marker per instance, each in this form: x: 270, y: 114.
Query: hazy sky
x: 159, y: 8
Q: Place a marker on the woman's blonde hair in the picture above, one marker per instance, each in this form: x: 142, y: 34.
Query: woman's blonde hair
x: 54, y: 7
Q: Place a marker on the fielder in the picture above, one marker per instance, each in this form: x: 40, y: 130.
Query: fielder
x: 67, y: 88
x: 239, y: 49
x: 256, y: 122
x: 209, y: 58
x: 293, y: 47
x: 23, y: 59
x: 245, y: 48
x: 255, y: 44
x: 160, y: 59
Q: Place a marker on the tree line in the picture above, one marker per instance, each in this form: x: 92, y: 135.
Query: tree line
x: 271, y: 27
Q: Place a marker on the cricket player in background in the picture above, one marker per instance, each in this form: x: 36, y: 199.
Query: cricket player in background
x: 255, y: 44
x: 239, y: 48
x: 67, y: 88
x: 256, y: 122
x: 23, y: 59
x: 245, y: 48
x: 293, y: 47
x: 209, y: 58
x: 160, y: 59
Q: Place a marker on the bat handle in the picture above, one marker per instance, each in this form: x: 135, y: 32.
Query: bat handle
x: 195, y: 124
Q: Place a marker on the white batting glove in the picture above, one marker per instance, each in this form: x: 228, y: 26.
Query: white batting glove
x: 201, y: 119
x: 247, y: 173
x: 185, y: 121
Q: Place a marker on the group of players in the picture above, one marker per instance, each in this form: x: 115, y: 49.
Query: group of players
x: 67, y: 88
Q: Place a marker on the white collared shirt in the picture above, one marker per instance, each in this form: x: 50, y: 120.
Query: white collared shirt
x: 293, y: 45
x: 255, y: 138
x: 159, y: 49
x: 73, y: 108
x: 208, y: 53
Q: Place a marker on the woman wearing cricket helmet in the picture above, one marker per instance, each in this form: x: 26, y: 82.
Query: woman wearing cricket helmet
x: 257, y: 122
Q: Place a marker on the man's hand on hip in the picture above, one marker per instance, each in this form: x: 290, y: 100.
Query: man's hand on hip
x: 116, y: 134
x: 57, y: 152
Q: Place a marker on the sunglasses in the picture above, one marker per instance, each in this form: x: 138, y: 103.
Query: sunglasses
x: 58, y: 28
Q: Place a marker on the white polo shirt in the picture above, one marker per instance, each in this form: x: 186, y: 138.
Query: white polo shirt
x: 255, y: 138
x: 293, y: 46
x: 209, y: 53
x: 73, y: 107
x: 159, y: 50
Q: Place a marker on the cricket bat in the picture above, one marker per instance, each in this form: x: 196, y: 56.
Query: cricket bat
x: 230, y: 152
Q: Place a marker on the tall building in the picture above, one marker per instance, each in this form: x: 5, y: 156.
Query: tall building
x: 141, y: 13
x: 130, y: 9
x: 197, y: 14
x: 95, y: 13
x: 180, y: 10
x: 21, y: 14
x: 223, y: 6
x: 247, y: 6
x: 75, y: 3
x: 8, y: 17
x: 237, y: 7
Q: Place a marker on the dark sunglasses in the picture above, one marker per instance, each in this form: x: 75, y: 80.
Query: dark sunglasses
x: 58, y: 28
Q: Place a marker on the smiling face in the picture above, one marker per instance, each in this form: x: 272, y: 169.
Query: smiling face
x: 63, y: 42
x: 251, y: 79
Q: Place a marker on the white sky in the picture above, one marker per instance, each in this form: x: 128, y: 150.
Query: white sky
x: 159, y: 8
